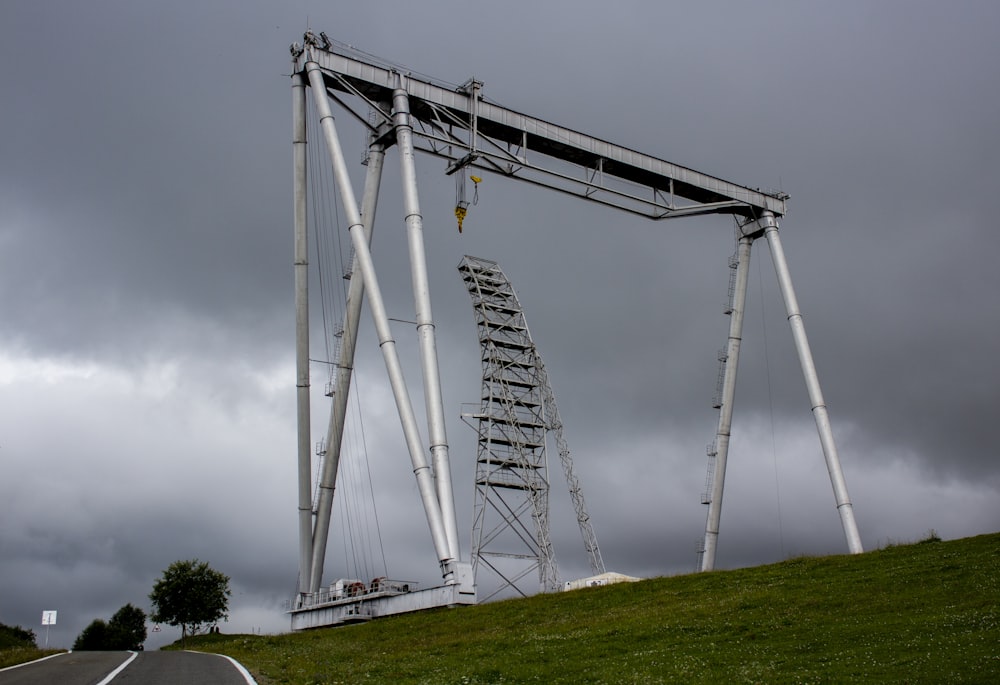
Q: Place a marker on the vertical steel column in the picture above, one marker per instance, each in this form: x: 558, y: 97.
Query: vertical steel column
x: 726, y: 410
x: 302, y: 329
x: 768, y: 222
x: 345, y: 369
x: 425, y: 323
x: 421, y: 469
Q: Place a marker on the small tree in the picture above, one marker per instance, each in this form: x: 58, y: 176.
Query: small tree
x: 93, y: 638
x: 127, y: 628
x: 190, y: 595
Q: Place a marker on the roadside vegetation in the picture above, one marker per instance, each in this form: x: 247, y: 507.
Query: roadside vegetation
x: 919, y: 613
x: 18, y: 645
x: 125, y: 630
x: 189, y: 594
x: 192, y: 595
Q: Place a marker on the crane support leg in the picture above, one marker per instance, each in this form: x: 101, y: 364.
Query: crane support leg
x: 425, y: 322
x: 302, y: 329
x: 421, y: 468
x: 726, y: 409
x: 769, y: 224
x: 345, y: 369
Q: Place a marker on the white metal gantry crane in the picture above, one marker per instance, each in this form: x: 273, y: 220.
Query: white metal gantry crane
x: 471, y: 133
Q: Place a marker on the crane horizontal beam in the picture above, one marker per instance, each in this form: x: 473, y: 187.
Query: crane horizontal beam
x: 459, y: 125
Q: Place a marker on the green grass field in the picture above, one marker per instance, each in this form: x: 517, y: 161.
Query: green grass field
x: 919, y: 613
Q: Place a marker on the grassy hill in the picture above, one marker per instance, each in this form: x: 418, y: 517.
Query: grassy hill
x: 921, y: 613
x: 17, y: 645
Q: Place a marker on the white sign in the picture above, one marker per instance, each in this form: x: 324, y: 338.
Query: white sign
x: 48, y: 618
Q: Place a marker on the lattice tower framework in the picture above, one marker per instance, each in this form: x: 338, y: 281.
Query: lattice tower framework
x: 510, y: 530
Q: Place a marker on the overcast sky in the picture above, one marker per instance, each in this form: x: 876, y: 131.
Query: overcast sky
x: 147, y: 381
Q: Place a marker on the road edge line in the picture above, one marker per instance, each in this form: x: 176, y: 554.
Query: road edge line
x: 111, y: 676
x: 236, y: 664
x: 35, y: 661
x: 241, y: 668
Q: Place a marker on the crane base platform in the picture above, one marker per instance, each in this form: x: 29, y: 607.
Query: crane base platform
x: 351, y: 601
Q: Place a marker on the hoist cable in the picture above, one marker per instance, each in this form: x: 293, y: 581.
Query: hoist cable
x: 770, y: 403
x: 356, y: 506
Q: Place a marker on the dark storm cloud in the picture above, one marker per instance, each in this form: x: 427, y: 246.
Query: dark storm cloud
x: 145, y: 272
x: 119, y: 174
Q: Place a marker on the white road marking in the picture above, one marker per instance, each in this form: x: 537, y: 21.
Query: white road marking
x: 118, y: 670
x: 239, y: 667
x: 236, y: 664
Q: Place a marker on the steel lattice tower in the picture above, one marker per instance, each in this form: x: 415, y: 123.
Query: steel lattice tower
x: 510, y: 530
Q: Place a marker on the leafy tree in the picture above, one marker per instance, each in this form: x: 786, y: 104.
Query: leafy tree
x: 127, y: 628
x: 190, y: 595
x: 93, y: 638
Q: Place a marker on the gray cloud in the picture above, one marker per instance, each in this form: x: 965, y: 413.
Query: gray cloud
x: 146, y: 372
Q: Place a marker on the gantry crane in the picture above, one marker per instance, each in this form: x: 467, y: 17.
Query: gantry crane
x: 414, y: 113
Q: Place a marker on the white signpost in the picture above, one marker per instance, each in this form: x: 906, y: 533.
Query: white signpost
x: 48, y: 619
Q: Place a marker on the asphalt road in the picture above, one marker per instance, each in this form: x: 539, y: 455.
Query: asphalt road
x: 127, y: 668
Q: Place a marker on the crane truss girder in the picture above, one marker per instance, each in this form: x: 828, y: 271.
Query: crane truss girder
x: 462, y: 127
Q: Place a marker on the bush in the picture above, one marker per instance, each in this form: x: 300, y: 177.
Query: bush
x: 93, y: 638
x: 932, y: 536
x: 16, y: 636
x: 125, y: 631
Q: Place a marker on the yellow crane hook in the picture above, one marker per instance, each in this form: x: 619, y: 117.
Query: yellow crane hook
x: 461, y: 206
